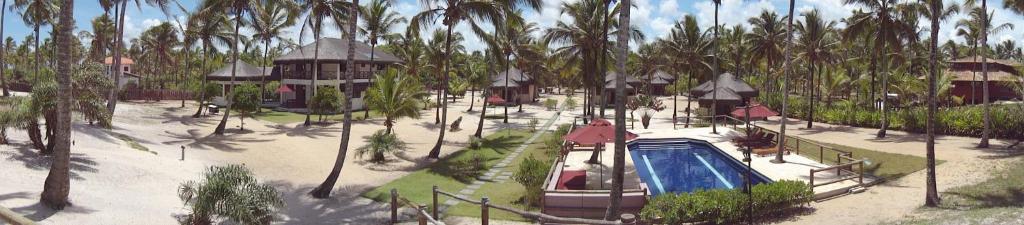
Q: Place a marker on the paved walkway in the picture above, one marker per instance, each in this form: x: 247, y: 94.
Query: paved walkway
x: 965, y: 164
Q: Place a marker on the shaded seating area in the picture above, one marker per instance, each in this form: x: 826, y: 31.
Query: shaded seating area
x: 726, y: 92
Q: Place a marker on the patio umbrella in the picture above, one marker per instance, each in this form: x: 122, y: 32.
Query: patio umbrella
x: 598, y: 131
x: 495, y: 100
x: 756, y: 111
x: 284, y: 89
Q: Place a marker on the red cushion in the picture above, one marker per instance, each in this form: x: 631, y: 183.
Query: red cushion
x: 572, y: 180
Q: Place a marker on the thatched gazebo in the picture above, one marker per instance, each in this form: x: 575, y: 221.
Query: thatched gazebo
x: 731, y: 92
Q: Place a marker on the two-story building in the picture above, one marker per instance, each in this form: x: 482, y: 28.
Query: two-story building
x: 296, y: 68
x: 245, y: 73
x: 128, y: 77
x: 967, y: 81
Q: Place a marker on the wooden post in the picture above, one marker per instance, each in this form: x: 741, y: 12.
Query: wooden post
x: 839, y: 161
x: 797, y: 145
x: 484, y: 216
x: 821, y: 154
x: 394, y: 206
x: 182, y: 153
x: 812, y: 179
x: 434, y: 209
x: 628, y: 219
x: 422, y: 217
x: 860, y: 178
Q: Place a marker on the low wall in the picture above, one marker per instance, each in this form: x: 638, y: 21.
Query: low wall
x: 6, y: 215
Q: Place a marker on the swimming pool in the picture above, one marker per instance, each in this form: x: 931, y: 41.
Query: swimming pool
x: 686, y: 165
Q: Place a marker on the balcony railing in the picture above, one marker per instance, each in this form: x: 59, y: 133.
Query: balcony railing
x: 325, y: 75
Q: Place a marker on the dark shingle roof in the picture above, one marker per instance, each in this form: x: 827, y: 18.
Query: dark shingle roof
x: 610, y: 77
x: 337, y: 49
x: 243, y: 70
x: 515, y: 76
x: 728, y: 83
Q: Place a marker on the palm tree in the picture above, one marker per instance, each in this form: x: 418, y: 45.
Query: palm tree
x: 378, y: 144
x: 343, y: 13
x: 239, y: 9
x: 395, y: 97
x: 714, y: 70
x: 816, y: 47
x: 102, y: 30
x: 3, y: 63
x: 317, y: 11
x: 160, y: 40
x: 971, y: 33
x: 983, y: 19
x: 211, y: 28
x: 478, y: 78
x: 58, y: 182
x: 1016, y: 6
x: 270, y: 21
x: 580, y: 41
x: 378, y: 22
x: 787, y: 68
x: 231, y: 192
x: 452, y: 13
x: 688, y: 46
x: 936, y: 13
x: 618, y: 166
x: 162, y: 4
x: 766, y: 40
x: 36, y: 13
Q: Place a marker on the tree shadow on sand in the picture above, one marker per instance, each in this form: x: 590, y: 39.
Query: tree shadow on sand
x: 302, y: 131
x: 345, y: 206
x: 37, y: 211
x: 169, y: 117
x: 80, y: 163
x: 199, y: 139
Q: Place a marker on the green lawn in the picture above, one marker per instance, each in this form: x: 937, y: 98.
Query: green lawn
x: 881, y: 164
x: 508, y: 193
x: 290, y: 117
x: 417, y: 186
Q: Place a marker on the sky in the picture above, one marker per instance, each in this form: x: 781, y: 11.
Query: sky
x: 654, y: 17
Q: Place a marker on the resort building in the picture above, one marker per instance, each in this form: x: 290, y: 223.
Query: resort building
x: 967, y: 82
x: 126, y: 71
x: 296, y: 69
x: 659, y: 82
x: 728, y: 93
x: 514, y: 86
x: 245, y: 73
x: 609, y: 86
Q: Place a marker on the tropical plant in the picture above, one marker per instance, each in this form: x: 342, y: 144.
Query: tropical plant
x: 270, y: 20
x: 551, y: 104
x: 380, y: 143
x: 395, y: 96
x: 239, y: 9
x: 531, y: 174
x: 119, y: 40
x: 787, y: 67
x: 619, y: 160
x: 326, y: 101
x: 209, y: 28
x: 36, y: 13
x: 688, y: 48
x: 378, y: 21
x: 982, y: 20
x: 815, y: 46
x: 230, y: 192
x: 246, y: 98
x: 57, y: 186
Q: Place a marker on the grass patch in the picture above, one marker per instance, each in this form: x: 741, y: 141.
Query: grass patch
x: 132, y: 143
x: 509, y: 193
x: 1002, y: 215
x: 881, y: 164
x: 1002, y: 190
x: 417, y: 186
x: 291, y: 117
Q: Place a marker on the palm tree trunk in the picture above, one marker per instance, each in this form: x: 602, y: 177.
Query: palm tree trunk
x: 472, y: 99
x: 984, y: 82
x: 112, y: 96
x: 603, y: 66
x: 234, y: 66
x: 787, y: 67
x: 314, y: 76
x: 885, y: 77
x: 810, y: 100
x: 483, y: 114
x: 57, y: 186
x: 714, y: 76
x: 202, y: 85
x: 263, y: 74
x: 932, y: 194
x: 436, y: 151
x: 619, y: 161
x: 373, y: 46
x: 184, y: 74
x: 505, y: 89
x: 3, y: 62
x: 689, y: 99
x: 324, y: 190
x: 35, y: 80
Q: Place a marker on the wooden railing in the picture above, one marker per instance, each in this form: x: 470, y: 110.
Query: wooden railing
x: 422, y: 216
x: 8, y: 216
x: 486, y: 205
x: 706, y: 121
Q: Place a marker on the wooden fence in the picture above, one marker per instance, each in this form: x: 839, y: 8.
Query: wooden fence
x: 155, y: 95
x: 424, y: 217
x: 8, y: 216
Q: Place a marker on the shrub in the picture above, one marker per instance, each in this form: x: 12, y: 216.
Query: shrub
x: 467, y: 169
x: 231, y: 192
x: 327, y: 100
x: 475, y: 142
x: 246, y: 100
x: 533, y: 124
x: 726, y: 205
x: 551, y: 104
x: 380, y: 143
x: 531, y: 174
x: 570, y: 103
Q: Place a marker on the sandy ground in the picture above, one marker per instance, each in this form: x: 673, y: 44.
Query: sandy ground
x: 115, y: 184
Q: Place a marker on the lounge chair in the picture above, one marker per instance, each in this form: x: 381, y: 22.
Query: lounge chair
x: 761, y: 152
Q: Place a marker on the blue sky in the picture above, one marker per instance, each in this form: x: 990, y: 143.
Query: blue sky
x: 654, y: 17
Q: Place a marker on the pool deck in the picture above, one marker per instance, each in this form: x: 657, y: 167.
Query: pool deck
x: 599, y: 175
x: 796, y: 167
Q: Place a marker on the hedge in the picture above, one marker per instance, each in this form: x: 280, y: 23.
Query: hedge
x: 726, y: 205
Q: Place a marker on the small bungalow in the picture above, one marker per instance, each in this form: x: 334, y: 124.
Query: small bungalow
x: 515, y: 86
x: 967, y: 80
x: 126, y: 70
x: 729, y: 92
x: 296, y: 70
x: 659, y: 82
x: 245, y: 73
x: 609, y: 86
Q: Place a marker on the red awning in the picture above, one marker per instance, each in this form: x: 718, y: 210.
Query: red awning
x: 284, y: 89
x: 598, y: 131
x: 495, y: 100
x: 756, y: 111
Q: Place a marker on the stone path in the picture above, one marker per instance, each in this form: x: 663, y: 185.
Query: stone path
x: 498, y: 173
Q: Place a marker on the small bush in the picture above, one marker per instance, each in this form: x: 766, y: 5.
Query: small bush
x: 475, y: 142
x: 570, y: 104
x: 533, y: 124
x: 467, y: 169
x: 380, y: 143
x: 726, y: 205
x: 531, y: 174
x: 551, y: 104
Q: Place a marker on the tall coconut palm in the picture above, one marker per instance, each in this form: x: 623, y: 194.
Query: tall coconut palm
x: 1016, y: 6
x: 103, y: 30
x: 119, y: 41
x: 210, y: 29
x: 3, y: 50
x: 378, y: 21
x: 618, y: 166
x: 395, y: 97
x: 36, y: 13
x: 580, y: 41
x: 815, y: 47
x: 57, y: 186
x: 714, y: 70
x: 970, y: 30
x: 451, y: 13
x: 983, y: 19
x: 936, y: 13
x: 345, y: 14
x: 766, y: 40
x: 787, y: 68
x: 270, y: 21
x: 161, y: 39
x: 317, y: 13
x: 239, y: 9
x: 688, y: 46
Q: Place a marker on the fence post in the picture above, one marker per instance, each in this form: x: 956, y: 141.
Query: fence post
x: 422, y: 215
x: 860, y: 177
x: 839, y: 161
x: 812, y: 179
x: 394, y: 206
x: 484, y: 215
x: 628, y: 219
x: 821, y: 154
x: 434, y: 209
x: 797, y: 145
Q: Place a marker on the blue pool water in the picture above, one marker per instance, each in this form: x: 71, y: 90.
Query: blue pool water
x: 686, y: 165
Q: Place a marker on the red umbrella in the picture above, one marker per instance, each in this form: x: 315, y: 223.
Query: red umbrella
x: 597, y: 132
x: 284, y: 89
x: 756, y: 111
x: 495, y: 100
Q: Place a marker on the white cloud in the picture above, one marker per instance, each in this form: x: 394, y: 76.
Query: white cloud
x: 668, y: 7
